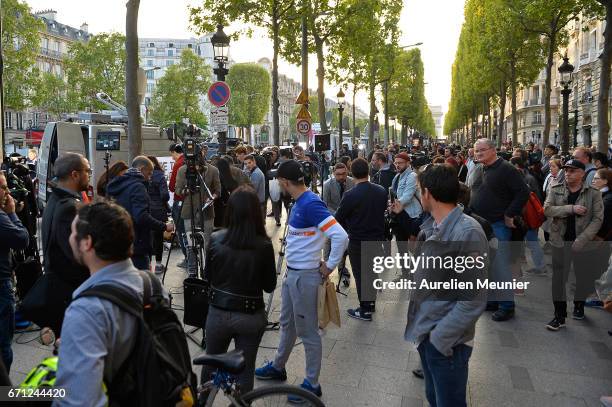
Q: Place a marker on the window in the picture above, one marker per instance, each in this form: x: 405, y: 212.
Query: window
x: 19, y: 120
x: 151, y: 45
x: 537, y: 117
x: 588, y: 87
x: 35, y: 119
x: 45, y: 43
x: 190, y: 46
x: 150, y: 74
x: 536, y: 94
x: 8, y: 120
x: 150, y: 87
x: 150, y: 52
x: 170, y: 53
x: 149, y: 62
x: 169, y: 62
x: 147, y: 101
x: 171, y: 45
x: 593, y: 40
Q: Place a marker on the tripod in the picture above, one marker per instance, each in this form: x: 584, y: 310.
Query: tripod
x: 196, y: 255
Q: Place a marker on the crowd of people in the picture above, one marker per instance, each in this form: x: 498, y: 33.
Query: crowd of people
x: 348, y: 205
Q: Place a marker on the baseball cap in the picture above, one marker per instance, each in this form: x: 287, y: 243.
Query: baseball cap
x: 291, y: 170
x: 573, y: 163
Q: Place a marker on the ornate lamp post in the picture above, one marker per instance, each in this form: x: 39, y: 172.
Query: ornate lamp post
x: 340, y: 97
x: 220, y: 42
x: 567, y: 75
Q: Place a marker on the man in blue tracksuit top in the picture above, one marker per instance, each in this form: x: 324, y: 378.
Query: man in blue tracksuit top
x: 309, y: 224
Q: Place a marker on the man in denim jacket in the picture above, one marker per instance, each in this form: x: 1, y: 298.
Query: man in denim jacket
x: 406, y: 207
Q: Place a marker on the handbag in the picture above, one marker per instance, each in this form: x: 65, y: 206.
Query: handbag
x: 27, y: 273
x: 47, y: 301
x: 195, y: 296
x: 274, y: 189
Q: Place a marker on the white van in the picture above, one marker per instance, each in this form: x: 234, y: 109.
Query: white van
x: 84, y: 138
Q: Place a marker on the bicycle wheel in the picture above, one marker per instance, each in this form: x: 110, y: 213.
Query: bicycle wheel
x: 277, y: 396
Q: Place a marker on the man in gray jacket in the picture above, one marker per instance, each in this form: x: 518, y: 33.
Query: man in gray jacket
x: 443, y: 322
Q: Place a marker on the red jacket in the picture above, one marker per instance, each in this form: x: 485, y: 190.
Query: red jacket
x: 177, y: 164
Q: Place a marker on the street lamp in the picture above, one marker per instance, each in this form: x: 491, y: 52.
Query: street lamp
x: 566, y: 70
x: 340, y: 97
x: 220, y: 42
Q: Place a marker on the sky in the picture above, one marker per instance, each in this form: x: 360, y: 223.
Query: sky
x: 435, y: 23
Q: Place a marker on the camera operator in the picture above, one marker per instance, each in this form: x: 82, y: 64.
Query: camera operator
x: 130, y: 192
x: 176, y: 151
x: 13, y: 235
x: 23, y: 192
x: 195, y: 198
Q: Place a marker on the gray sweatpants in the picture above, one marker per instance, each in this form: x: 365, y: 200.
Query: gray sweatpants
x: 299, y: 317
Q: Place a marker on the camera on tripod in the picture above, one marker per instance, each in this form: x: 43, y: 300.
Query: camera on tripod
x: 308, y: 170
x: 16, y: 170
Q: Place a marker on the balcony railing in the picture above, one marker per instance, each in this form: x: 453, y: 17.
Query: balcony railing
x: 586, y: 98
x: 51, y: 53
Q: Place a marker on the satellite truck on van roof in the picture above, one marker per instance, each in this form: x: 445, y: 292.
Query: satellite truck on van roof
x: 95, y: 136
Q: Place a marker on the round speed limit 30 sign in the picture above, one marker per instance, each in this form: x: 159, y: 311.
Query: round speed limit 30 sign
x: 303, y: 126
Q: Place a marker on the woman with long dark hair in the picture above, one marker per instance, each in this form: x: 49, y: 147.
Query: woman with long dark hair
x: 115, y: 170
x: 231, y: 178
x: 159, y: 196
x: 240, y: 266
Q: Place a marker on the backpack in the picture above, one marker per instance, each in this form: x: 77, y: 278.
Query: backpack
x: 158, y: 370
x: 533, y: 212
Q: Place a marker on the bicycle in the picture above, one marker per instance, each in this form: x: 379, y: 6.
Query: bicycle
x: 232, y: 363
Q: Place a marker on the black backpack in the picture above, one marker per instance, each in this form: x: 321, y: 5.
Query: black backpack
x: 158, y: 371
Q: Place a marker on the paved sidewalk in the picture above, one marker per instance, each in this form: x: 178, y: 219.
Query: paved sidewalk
x: 514, y: 363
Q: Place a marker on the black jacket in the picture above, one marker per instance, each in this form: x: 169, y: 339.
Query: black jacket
x: 384, y: 178
x: 240, y: 272
x: 56, y: 228
x: 159, y: 195
x: 129, y: 191
x: 503, y: 192
x: 13, y: 235
x: 605, y: 232
x: 362, y: 212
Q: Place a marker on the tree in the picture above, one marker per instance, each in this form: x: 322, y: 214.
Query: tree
x: 406, y: 90
x: 96, y: 66
x: 131, y: 80
x: 178, y: 92
x: 549, y: 19
x: 51, y: 94
x: 250, y: 84
x: 20, y: 46
x: 268, y: 14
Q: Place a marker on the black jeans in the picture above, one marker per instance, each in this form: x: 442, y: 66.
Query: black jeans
x: 562, y: 261
x: 277, y: 208
x: 245, y: 329
x: 158, y: 245
x: 361, y: 266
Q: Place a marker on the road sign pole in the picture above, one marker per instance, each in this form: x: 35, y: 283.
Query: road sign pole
x: 219, y: 95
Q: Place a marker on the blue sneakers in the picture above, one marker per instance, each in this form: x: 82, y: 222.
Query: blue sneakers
x: 306, y: 386
x: 269, y: 372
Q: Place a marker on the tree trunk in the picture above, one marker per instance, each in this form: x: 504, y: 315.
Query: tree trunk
x: 502, y: 113
x: 404, y: 132
x: 513, y: 86
x: 321, y: 82
x: 131, y: 80
x: 372, y: 110
x: 603, y: 122
x: 552, y: 48
x: 275, y: 101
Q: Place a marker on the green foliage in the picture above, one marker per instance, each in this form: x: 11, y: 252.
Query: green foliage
x: 495, y: 52
x: 313, y: 102
x: 51, y: 94
x: 250, y: 85
x: 96, y: 66
x: 406, y: 92
x: 178, y: 92
x: 20, y: 45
